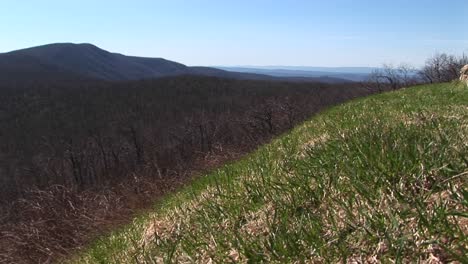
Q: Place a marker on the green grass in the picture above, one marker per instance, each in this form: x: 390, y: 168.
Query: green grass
x: 379, y: 179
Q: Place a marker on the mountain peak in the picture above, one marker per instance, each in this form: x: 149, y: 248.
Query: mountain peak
x: 86, y: 59
x: 59, y: 45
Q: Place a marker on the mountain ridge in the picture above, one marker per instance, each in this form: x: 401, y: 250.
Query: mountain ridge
x: 69, y: 61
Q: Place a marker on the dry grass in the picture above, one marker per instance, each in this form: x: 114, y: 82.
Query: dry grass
x: 49, y: 224
x: 45, y: 226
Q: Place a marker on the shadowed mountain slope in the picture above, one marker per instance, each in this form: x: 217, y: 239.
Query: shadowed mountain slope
x: 86, y: 61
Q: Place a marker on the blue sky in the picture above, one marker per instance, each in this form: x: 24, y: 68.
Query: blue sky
x: 246, y: 32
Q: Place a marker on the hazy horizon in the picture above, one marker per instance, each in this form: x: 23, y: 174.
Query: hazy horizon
x: 244, y: 33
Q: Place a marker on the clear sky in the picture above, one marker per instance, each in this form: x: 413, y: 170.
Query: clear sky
x: 246, y: 32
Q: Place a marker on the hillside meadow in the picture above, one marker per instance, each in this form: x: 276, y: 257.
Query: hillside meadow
x: 378, y: 179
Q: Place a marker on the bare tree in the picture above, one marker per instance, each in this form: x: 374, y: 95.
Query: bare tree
x: 406, y: 74
x: 442, y: 68
x: 390, y: 77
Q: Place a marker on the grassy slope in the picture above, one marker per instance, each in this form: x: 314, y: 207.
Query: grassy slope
x: 380, y: 178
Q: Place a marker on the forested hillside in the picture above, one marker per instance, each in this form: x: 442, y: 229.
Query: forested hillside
x: 90, y: 133
x: 78, y: 157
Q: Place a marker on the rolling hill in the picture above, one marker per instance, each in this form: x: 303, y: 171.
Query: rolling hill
x: 68, y: 61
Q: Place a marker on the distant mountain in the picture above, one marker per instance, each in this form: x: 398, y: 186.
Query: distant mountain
x: 310, y: 68
x: 347, y: 73
x: 207, y: 71
x: 90, y: 61
x: 68, y: 61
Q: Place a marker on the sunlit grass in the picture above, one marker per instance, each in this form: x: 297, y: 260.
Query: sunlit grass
x: 380, y: 179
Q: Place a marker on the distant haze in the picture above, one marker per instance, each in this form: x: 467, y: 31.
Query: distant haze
x: 348, y: 73
x: 306, y: 68
x: 245, y: 32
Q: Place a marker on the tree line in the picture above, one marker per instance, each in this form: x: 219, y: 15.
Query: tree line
x: 90, y: 134
x: 439, y: 68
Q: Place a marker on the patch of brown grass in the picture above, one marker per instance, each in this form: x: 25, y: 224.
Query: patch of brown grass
x: 47, y: 225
